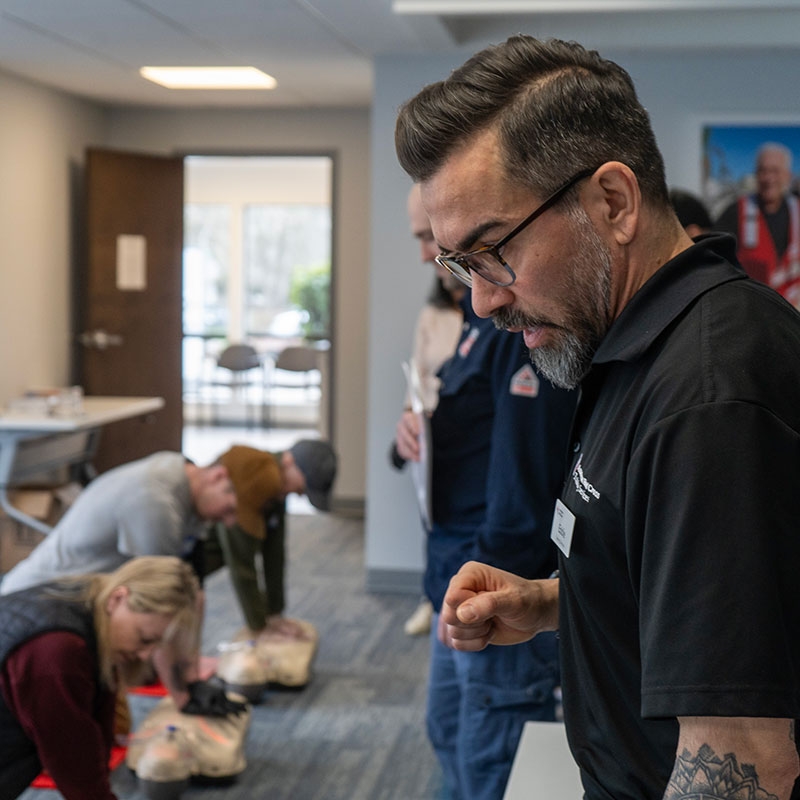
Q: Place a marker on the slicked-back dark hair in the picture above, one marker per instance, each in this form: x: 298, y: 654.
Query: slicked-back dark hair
x: 558, y: 108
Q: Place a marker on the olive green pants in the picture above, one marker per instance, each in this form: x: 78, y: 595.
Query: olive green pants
x: 256, y: 568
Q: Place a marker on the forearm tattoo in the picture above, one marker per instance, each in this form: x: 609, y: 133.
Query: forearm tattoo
x: 710, y: 777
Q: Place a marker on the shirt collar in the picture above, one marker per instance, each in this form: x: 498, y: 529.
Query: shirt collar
x: 710, y: 262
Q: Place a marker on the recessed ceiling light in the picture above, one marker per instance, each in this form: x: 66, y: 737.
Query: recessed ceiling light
x: 209, y: 77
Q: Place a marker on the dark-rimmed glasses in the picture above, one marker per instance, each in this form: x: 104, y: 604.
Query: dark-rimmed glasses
x: 486, y: 261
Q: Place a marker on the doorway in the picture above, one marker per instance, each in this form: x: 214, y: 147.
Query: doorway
x: 257, y: 268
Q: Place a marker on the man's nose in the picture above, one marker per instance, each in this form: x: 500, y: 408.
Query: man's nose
x: 488, y: 298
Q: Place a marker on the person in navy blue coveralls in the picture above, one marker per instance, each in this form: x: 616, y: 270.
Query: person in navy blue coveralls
x: 499, y: 436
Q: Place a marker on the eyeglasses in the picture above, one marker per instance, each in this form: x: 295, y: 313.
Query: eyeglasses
x: 486, y: 261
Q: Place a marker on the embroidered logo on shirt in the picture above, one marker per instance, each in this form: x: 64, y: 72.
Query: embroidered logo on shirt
x: 469, y: 340
x: 584, y: 489
x: 525, y: 382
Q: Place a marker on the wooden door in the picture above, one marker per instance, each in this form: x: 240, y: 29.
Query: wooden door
x: 129, y: 304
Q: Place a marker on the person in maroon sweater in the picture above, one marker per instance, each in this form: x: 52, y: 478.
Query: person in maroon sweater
x: 66, y: 650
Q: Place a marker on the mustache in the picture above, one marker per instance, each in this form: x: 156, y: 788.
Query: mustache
x: 505, y: 318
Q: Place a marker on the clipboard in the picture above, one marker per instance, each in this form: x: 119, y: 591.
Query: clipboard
x: 420, y: 470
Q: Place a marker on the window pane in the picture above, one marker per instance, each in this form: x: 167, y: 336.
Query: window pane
x: 287, y: 266
x: 206, y: 267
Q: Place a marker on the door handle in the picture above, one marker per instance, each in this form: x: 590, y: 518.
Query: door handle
x: 100, y: 339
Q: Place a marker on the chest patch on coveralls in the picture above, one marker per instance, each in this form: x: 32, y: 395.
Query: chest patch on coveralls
x: 525, y: 382
x: 469, y: 340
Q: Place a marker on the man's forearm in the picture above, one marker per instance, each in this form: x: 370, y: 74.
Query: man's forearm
x: 753, y: 757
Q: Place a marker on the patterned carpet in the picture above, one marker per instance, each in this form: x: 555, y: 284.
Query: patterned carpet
x: 357, y: 730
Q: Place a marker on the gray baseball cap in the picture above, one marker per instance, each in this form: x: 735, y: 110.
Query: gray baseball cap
x: 316, y: 459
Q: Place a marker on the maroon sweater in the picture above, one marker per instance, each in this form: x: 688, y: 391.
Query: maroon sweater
x: 49, y: 684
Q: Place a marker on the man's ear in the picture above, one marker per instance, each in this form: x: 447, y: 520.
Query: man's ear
x: 615, y: 197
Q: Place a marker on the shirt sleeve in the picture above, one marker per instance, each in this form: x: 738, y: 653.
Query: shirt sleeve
x: 52, y: 690
x: 435, y: 339
x: 527, y: 461
x: 712, y: 547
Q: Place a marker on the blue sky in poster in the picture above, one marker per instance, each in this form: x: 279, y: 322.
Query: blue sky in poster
x: 734, y: 147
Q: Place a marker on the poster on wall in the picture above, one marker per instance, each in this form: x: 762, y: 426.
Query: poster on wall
x: 751, y: 186
x: 729, y: 160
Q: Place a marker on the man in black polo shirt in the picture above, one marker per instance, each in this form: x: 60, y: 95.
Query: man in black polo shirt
x: 677, y: 607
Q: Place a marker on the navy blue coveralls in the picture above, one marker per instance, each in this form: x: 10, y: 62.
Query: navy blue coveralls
x: 499, y: 439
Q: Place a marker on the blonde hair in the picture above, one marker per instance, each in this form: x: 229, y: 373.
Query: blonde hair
x: 156, y: 585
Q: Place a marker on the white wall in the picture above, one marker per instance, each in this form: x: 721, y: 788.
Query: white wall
x: 680, y: 89
x: 42, y: 139
x: 398, y: 286
x: 684, y: 90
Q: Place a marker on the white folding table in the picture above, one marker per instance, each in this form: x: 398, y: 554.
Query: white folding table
x: 32, y: 444
x: 543, y: 766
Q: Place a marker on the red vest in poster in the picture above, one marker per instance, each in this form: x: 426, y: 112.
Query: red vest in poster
x: 757, y: 250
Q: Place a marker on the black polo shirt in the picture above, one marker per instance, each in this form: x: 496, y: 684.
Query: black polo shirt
x: 679, y: 595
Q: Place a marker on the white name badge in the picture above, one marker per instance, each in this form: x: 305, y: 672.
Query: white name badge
x: 563, y: 526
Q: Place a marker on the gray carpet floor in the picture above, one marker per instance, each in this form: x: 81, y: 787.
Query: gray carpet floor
x: 357, y: 730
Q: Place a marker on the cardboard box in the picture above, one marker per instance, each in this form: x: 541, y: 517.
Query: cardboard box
x: 18, y: 539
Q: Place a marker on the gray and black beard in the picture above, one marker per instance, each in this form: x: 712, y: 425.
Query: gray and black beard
x: 567, y: 361
x: 566, y: 366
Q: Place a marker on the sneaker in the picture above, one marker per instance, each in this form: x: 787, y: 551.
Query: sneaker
x: 420, y: 621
